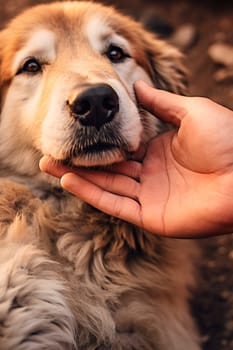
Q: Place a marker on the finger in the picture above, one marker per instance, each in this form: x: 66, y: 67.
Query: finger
x: 52, y: 167
x: 129, y: 168
x: 121, y: 207
x: 111, y: 182
x: 165, y: 105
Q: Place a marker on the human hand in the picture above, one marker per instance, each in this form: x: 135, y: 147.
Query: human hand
x: 183, y: 187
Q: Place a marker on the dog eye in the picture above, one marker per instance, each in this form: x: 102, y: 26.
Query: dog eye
x: 116, y: 54
x: 31, y: 66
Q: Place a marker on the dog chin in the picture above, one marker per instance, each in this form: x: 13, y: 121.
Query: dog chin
x: 97, y: 159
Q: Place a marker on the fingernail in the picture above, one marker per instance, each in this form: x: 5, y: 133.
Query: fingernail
x: 43, y: 163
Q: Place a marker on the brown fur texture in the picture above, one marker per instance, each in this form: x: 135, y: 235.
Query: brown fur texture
x: 71, y: 276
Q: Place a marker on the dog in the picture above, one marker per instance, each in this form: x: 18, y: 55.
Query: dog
x: 73, y: 277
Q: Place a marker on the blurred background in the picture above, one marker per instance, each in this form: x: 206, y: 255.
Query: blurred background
x: 203, y: 31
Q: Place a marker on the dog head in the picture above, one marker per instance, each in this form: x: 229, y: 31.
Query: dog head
x: 67, y: 71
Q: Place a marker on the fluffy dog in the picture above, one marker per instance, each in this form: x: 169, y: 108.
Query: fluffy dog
x: 72, y: 277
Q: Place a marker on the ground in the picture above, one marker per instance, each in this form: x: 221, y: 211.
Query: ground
x: 212, y: 22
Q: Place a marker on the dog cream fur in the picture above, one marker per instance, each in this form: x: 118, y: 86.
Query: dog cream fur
x: 72, y: 277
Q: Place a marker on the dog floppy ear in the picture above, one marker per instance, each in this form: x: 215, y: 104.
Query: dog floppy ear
x: 5, y: 60
x: 0, y: 72
x: 2, y: 79
x: 164, y: 65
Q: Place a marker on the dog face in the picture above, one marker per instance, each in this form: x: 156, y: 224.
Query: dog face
x: 67, y: 75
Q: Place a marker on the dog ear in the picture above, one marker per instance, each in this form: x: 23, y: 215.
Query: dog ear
x: 1, y: 70
x: 5, y: 75
x: 165, y: 65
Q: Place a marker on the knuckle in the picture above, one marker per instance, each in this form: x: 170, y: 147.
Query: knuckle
x: 134, y: 190
x: 109, y: 181
x: 118, y: 208
x: 201, y: 101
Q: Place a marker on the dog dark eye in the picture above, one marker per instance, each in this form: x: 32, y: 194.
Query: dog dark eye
x: 116, y: 54
x: 31, y: 66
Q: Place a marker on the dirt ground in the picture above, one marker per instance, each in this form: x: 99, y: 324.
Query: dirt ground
x: 212, y: 22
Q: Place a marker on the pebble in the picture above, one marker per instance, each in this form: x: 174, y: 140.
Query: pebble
x: 229, y: 325
x: 185, y: 37
x: 221, y: 53
x: 223, y: 342
x: 211, y: 264
x: 222, y: 250
x: 224, y: 74
x: 205, y: 338
x: 225, y: 295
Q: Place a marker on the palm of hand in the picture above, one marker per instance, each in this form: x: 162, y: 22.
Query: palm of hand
x: 186, y: 186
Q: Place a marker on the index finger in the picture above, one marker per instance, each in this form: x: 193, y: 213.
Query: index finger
x: 165, y: 105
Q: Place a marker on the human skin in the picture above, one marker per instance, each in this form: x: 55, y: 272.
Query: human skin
x: 182, y: 186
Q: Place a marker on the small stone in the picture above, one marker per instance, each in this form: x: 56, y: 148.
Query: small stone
x: 205, y: 338
x: 223, y: 342
x: 225, y: 294
x: 185, y: 37
x: 221, y: 278
x: 222, y: 75
x: 211, y: 264
x: 222, y: 250
x: 221, y: 53
x: 229, y: 325
x: 219, y: 36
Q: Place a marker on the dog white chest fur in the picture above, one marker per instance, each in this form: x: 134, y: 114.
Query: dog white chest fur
x: 72, y: 277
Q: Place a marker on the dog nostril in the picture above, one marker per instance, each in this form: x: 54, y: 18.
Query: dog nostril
x: 82, y: 108
x: 110, y: 104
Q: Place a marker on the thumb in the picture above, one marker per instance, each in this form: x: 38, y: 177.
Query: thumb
x: 164, y: 105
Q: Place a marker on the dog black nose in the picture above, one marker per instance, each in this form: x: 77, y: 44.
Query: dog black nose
x: 96, y: 106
